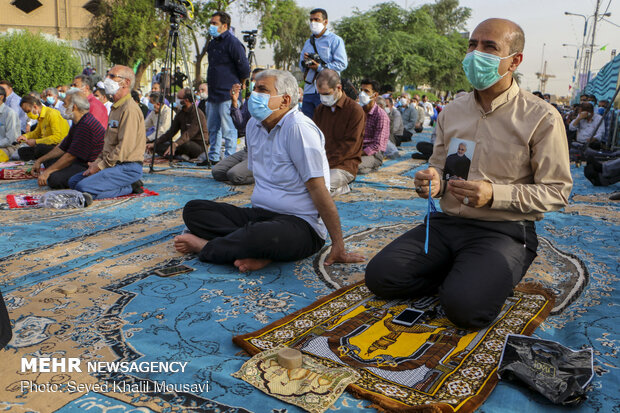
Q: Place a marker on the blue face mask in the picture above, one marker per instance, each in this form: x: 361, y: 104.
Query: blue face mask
x: 258, y: 105
x: 481, y: 69
x: 150, y: 106
x: 213, y: 31
x: 62, y: 95
x: 51, y: 100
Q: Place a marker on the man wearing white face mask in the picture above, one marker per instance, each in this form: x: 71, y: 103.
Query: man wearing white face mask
x: 484, y: 240
x: 324, y: 50
x: 151, y: 121
x: 228, y: 65
x: 342, y: 121
x: 97, y: 109
x: 409, y: 114
x: 292, y: 211
x: 377, y: 129
x: 118, y: 169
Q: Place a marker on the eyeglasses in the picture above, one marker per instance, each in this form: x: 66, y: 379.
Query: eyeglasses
x: 112, y: 76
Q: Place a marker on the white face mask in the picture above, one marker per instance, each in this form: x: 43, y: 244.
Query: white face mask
x: 204, y: 95
x: 387, y: 110
x: 111, y: 87
x: 329, y: 100
x: 316, y: 28
x: 403, y: 101
x: 364, y: 99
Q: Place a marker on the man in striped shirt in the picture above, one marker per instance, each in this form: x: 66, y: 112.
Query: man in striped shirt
x: 83, y: 144
x: 377, y: 131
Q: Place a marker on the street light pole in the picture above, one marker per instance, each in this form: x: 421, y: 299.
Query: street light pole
x: 581, y: 49
x: 598, y: 4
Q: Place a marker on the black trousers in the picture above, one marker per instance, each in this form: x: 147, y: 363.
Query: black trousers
x: 30, y: 153
x: 60, y: 179
x: 473, y: 265
x: 405, y: 137
x: 237, y: 233
x: 425, y: 148
x: 189, y: 148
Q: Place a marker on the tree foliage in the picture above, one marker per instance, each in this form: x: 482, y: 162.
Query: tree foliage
x: 285, y: 27
x: 129, y: 32
x: 401, y: 47
x: 33, y: 62
x: 448, y: 16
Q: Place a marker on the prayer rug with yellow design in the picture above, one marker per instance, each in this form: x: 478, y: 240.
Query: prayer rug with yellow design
x: 431, y: 366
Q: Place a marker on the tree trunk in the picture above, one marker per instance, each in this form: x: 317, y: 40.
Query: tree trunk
x: 139, y: 73
x: 198, y: 70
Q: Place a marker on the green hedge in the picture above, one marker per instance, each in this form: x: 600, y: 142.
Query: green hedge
x: 32, y: 62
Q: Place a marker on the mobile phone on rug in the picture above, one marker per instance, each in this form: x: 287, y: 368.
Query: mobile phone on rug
x: 170, y: 271
x: 407, y: 317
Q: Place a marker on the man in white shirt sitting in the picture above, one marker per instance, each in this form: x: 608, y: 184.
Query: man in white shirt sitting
x: 292, y: 211
x: 150, y: 122
x: 585, y: 124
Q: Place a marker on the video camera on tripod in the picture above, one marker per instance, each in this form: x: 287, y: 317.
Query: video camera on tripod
x: 175, y: 7
x: 249, y: 36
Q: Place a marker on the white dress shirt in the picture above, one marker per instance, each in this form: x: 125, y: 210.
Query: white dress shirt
x: 282, y: 161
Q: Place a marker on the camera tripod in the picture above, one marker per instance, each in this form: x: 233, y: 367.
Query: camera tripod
x: 170, y: 86
x: 252, y: 59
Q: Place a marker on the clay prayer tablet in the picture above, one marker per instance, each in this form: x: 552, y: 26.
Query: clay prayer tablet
x: 289, y: 358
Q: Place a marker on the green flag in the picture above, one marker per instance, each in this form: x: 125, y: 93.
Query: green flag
x: 604, y: 47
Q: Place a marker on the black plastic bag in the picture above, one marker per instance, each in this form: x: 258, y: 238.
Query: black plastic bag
x: 557, y: 372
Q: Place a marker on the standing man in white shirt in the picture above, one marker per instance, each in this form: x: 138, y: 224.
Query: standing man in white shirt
x: 292, y: 211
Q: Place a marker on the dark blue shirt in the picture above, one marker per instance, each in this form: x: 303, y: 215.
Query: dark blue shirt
x: 228, y: 64
x: 240, y: 116
x: 85, y: 139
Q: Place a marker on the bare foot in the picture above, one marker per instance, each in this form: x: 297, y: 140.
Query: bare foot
x: 187, y: 243
x: 251, y: 264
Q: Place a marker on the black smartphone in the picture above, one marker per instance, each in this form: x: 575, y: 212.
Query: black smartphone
x: 170, y: 271
x: 408, y: 317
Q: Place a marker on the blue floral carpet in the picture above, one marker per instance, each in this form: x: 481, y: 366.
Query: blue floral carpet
x: 123, y: 312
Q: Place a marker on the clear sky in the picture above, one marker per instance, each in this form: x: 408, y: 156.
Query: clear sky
x: 543, y: 22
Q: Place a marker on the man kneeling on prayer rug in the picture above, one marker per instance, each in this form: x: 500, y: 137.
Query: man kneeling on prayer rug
x: 484, y: 241
x: 292, y: 210
x: 83, y: 144
x: 118, y: 169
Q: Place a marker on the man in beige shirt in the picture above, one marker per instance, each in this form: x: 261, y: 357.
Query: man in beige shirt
x: 118, y: 169
x: 483, y: 242
x: 151, y: 121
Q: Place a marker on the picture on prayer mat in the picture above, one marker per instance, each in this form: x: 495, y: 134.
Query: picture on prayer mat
x: 460, y: 153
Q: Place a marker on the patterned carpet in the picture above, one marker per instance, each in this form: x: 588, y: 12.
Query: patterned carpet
x: 123, y: 312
